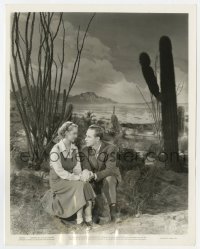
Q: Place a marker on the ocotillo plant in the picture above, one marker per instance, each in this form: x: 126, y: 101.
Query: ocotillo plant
x: 36, y: 76
x: 168, y: 100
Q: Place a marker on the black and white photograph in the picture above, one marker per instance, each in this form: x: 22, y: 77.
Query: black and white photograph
x: 100, y: 120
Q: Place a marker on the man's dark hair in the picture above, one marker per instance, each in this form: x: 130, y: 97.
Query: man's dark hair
x: 98, y: 130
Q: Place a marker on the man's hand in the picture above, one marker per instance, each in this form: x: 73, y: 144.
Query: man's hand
x: 93, y: 176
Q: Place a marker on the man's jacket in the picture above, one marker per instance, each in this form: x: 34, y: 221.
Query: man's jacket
x: 103, y: 164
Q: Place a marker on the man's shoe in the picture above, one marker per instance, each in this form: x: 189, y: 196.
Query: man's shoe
x: 116, y: 219
x: 115, y: 216
x: 104, y: 221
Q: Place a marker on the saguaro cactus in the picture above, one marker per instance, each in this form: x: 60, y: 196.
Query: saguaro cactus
x: 167, y: 98
x: 169, y: 104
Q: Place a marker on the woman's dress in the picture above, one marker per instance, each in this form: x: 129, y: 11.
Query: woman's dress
x: 66, y: 196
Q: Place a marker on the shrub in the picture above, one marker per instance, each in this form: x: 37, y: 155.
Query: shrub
x: 137, y: 189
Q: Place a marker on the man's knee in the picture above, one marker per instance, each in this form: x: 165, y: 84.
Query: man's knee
x: 110, y: 180
x: 109, y: 189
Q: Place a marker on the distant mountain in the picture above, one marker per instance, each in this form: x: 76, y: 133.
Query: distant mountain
x: 89, y: 98
x: 83, y: 98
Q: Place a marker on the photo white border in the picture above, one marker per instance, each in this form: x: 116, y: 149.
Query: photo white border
x: 62, y: 239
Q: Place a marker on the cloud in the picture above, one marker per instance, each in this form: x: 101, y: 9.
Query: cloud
x: 127, y: 92
x: 93, y: 47
x: 103, y: 72
x: 99, y: 76
x: 96, y: 72
x: 94, y: 75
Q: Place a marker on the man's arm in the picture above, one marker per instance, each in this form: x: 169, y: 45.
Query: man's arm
x: 83, y: 155
x: 77, y: 169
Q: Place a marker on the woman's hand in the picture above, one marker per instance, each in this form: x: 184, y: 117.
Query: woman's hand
x: 86, y: 175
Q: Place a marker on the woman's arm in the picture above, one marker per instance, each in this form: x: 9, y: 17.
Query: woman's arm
x: 55, y: 163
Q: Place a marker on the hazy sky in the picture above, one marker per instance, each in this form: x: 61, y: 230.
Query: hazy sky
x: 109, y: 65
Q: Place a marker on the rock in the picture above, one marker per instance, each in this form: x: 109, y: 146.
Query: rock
x: 180, y: 217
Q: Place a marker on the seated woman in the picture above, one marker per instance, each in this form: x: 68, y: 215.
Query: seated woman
x: 70, y: 191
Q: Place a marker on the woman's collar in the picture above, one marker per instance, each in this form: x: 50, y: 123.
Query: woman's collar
x: 63, y: 148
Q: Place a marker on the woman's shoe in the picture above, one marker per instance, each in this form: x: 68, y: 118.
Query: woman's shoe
x: 89, y: 225
x: 80, y: 226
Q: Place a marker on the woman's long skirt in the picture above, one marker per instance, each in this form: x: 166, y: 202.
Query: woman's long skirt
x: 66, y: 197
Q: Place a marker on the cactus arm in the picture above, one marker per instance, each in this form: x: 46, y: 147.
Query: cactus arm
x: 149, y: 75
x: 151, y: 81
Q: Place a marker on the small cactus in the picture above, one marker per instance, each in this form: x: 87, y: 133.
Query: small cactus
x: 115, y: 122
x: 68, y: 112
x: 181, y: 120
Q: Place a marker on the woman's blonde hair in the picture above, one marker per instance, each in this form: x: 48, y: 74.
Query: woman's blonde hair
x: 67, y: 126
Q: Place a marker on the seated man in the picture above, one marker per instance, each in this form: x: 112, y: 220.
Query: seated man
x: 100, y: 159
